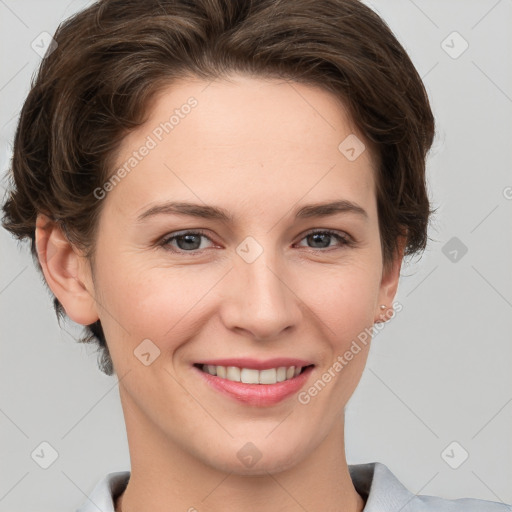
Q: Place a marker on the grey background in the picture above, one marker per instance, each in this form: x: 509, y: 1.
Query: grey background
x: 439, y: 372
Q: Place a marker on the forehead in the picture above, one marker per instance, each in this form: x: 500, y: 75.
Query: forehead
x: 244, y: 139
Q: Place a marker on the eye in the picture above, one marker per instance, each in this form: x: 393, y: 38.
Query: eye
x: 323, y: 237
x: 190, y: 241
x: 187, y: 241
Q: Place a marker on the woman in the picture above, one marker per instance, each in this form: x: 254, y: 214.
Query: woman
x: 223, y: 192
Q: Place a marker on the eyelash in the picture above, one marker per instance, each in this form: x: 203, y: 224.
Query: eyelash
x: 344, y: 239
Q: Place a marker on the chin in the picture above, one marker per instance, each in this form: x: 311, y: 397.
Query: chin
x: 248, y: 460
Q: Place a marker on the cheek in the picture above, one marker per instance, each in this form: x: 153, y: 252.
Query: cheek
x: 165, y: 305
x: 343, y: 297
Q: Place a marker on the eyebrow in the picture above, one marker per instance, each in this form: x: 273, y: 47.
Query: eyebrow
x: 215, y: 213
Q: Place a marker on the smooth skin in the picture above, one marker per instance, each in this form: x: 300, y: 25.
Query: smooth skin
x: 260, y: 149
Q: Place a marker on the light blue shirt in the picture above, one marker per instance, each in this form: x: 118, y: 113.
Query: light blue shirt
x: 378, y: 486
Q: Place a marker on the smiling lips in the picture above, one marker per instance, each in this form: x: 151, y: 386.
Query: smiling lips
x: 251, y: 376
x: 256, y: 382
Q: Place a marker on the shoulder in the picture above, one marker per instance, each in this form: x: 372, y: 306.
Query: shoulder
x: 383, y: 491
x: 105, y: 492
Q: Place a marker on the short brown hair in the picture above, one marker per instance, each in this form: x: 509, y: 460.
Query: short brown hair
x: 115, y: 55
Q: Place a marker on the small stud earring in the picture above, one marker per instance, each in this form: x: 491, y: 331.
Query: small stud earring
x: 383, y: 306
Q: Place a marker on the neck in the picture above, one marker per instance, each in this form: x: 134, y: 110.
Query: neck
x: 164, y: 477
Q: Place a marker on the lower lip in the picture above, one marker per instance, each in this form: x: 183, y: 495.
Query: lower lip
x: 257, y: 394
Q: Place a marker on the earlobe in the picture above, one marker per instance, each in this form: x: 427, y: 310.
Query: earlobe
x: 65, y: 272
x: 389, y: 285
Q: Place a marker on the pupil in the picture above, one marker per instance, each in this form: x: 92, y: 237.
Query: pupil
x: 316, y: 236
x: 187, y: 239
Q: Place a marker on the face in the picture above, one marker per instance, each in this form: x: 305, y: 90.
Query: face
x: 265, y: 281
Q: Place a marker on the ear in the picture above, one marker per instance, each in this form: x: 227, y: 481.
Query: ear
x: 67, y: 272
x: 389, y: 283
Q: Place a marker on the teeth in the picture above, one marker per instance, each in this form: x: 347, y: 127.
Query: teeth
x: 233, y: 373
x: 251, y: 376
x: 268, y: 376
x: 281, y: 373
x: 248, y: 376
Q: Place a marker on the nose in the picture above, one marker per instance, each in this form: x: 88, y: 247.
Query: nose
x: 259, y: 300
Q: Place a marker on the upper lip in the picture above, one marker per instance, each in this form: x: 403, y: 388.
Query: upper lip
x: 257, y: 364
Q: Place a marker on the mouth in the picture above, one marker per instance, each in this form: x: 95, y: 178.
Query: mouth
x: 255, y: 386
x: 252, y: 375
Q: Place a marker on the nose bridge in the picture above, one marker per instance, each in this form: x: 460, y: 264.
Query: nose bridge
x: 261, y: 302
x: 261, y: 280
